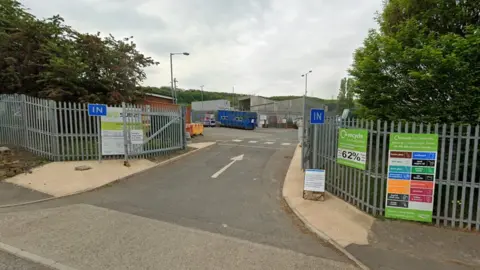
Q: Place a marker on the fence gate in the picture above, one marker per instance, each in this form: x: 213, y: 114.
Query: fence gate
x: 151, y: 131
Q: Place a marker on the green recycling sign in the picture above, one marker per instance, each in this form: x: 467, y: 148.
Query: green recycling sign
x: 352, y: 148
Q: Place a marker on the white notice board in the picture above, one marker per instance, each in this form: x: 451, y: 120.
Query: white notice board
x: 314, y: 180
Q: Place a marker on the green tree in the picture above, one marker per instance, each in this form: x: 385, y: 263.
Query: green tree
x: 422, y: 64
x: 346, y: 94
x: 49, y: 59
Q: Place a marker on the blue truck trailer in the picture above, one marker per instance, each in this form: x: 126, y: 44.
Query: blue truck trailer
x: 237, y: 119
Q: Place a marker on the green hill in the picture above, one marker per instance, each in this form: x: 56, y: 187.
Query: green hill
x: 188, y: 96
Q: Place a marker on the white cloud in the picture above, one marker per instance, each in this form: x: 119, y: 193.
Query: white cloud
x: 260, y: 46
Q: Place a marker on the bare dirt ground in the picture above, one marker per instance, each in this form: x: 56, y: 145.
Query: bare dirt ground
x: 15, y: 160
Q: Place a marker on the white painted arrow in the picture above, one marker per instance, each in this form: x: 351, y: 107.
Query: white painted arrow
x: 234, y: 159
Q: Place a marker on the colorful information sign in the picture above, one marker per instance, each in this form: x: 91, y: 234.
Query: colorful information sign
x: 411, y: 176
x: 352, y: 148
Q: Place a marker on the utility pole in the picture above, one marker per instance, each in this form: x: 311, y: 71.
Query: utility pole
x: 171, y: 77
x: 201, y: 87
x: 175, y: 89
x: 171, y: 74
x: 233, y: 97
x: 304, y: 127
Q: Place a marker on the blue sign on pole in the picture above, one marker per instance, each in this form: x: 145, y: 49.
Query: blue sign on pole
x: 97, y: 110
x: 317, y: 116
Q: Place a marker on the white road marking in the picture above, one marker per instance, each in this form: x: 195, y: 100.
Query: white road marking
x: 252, y: 142
x: 269, y: 142
x: 34, y: 257
x: 251, y: 146
x: 233, y: 160
x: 287, y: 143
x: 237, y: 140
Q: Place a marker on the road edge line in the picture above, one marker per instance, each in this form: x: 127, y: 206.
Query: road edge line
x: 320, y: 234
x: 165, y: 162
x: 33, y: 257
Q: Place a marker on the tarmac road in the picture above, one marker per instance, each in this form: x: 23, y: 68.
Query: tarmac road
x: 12, y: 262
x: 179, y: 217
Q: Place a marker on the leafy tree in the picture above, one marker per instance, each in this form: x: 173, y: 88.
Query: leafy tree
x: 422, y: 64
x: 46, y: 58
x: 346, y: 94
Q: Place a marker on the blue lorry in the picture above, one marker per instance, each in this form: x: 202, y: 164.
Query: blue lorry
x: 237, y: 119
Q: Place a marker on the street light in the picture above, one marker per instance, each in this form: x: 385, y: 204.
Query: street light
x: 171, y: 73
x: 305, y: 94
x: 304, y: 126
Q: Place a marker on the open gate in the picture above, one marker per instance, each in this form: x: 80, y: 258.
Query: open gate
x: 153, y: 130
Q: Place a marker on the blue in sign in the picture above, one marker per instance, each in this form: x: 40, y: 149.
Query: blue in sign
x: 424, y: 155
x: 317, y: 116
x: 399, y: 176
x: 97, y: 110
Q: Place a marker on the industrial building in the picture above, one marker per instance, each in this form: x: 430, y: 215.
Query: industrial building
x: 273, y: 113
x: 211, y: 105
x: 201, y: 109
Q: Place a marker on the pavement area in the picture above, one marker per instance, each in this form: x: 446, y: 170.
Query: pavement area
x: 179, y: 216
x: 60, y: 178
x: 376, y: 243
x: 57, y: 179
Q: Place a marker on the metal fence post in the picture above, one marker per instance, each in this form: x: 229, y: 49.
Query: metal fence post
x: 304, y: 129
x: 99, y: 135
x: 315, y: 147
x: 24, y: 120
x: 55, y: 151
x: 183, y: 128
x: 125, y: 133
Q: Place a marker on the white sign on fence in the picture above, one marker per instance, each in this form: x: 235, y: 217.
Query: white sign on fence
x: 112, y: 131
x: 314, y: 180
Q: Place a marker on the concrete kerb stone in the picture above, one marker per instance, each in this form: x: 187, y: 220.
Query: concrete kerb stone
x: 115, y: 181
x: 34, y: 258
x: 320, y: 234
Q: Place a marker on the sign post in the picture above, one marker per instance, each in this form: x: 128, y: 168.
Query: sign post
x: 98, y: 110
x: 314, y: 183
x: 317, y: 117
x: 411, y: 176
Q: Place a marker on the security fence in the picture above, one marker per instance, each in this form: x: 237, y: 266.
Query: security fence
x: 456, y: 200
x: 65, y: 131
x: 199, y: 116
x: 277, y: 119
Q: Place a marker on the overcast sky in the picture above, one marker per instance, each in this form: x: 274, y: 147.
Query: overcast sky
x: 260, y: 46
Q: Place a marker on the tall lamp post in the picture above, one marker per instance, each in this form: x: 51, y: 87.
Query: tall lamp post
x: 304, y: 126
x: 171, y: 74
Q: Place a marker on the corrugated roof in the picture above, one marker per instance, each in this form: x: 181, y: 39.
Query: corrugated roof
x: 157, y: 95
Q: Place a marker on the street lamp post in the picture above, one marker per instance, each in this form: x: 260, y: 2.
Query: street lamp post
x: 304, y: 126
x: 171, y: 73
